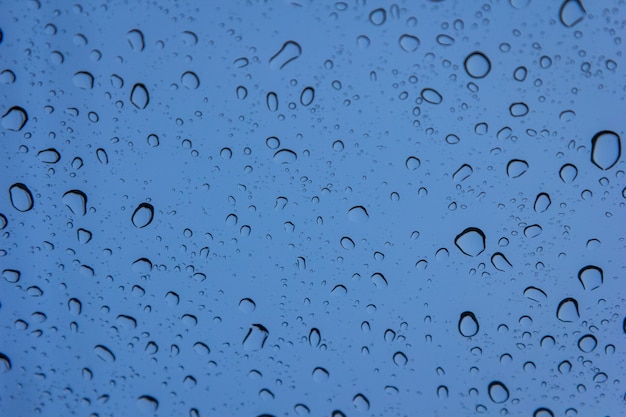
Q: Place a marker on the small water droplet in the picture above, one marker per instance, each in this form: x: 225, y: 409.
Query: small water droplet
x: 400, y: 359
x: 431, y: 96
x: 518, y: 109
x: 347, y: 243
x: 361, y: 403
x: 285, y: 156
x: 5, y: 362
x: 11, y: 275
x: 535, y: 294
x: 463, y: 173
x: 320, y: 374
x: 409, y: 43
x: 542, y: 202
x: 378, y: 16
x: 315, y: 337
x: 247, y: 305
x: 532, y: 231
x: 307, y: 96
x: 468, y: 324
x: 272, y: 101
x: 500, y: 262
x: 49, y: 156
x: 241, y: 92
x: 102, y: 156
x: 379, y: 280
x: 104, y: 353
x: 516, y: 168
x: 190, y: 80
x: 76, y: 202
x: 83, y: 79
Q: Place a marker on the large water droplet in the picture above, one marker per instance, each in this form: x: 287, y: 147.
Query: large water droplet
x: 104, y: 353
x: 285, y: 156
x: 468, y: 325
x: 477, y: 65
x: 75, y: 306
x: 49, y: 156
x: 139, y: 96
x: 606, y: 148
x: 143, y: 215
x: 567, y: 311
x: 378, y: 16
x: 147, y: 404
x: 290, y: 51
x: 499, y: 261
x: 190, y: 80
x: 431, y: 96
x: 83, y: 79
x: 320, y: 374
x: 498, y: 392
x: 11, y: 275
x: 587, y: 343
x: 247, y: 305
x: 135, y: 40
x: 379, y: 280
x: 568, y: 173
x: 21, y: 197
x: 542, y: 202
x: 361, y: 403
x: 516, y: 168
x: 400, y: 359
x: 572, y: 12
x: 518, y: 109
x: 14, y: 119
x: 358, y: 214
x: 409, y: 43
x: 471, y: 241
x: 591, y: 277
x: 256, y: 337
x: 76, y: 201
x: 463, y: 173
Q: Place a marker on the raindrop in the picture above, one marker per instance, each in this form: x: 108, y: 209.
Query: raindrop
x: 409, y: 43
x: 49, y: 156
x: 135, y: 39
x: 339, y: 290
x: 272, y: 142
x: 542, y: 202
x: 7, y: 77
x: 301, y: 410
x: 21, y: 197
x: 361, y: 403
x: 543, y: 412
x: 320, y: 374
x: 452, y: 139
x: 477, y: 65
x: 591, y: 277
x: 256, y: 337
x: 139, y: 96
x: 104, y: 353
x: 606, y: 149
x: 587, y: 343
x: 471, y: 241
x: 498, y: 392
x: 412, y: 163
x: 117, y: 81
x: 431, y: 96
x: 347, y: 243
x: 189, y: 38
x: 74, y: 306
x: 468, y: 325
x: 499, y: 261
x: 445, y: 40
x: 567, y: 311
x: 172, y: 298
x: 272, y: 101
x: 247, y: 305
x: 532, y: 231
x: 516, y: 168
x: 307, y: 96
x: 572, y: 12
x: 201, y: 348
x: 518, y: 109
x: 379, y: 280
x: 463, y: 173
x: 400, y: 359
x: 190, y: 80
x: 378, y: 16
x: 102, y: 156
x: 143, y: 215
x: 285, y: 156
x: 565, y: 367
x: 3, y: 221
x: 142, y: 266
x: 314, y: 337
x: 520, y: 73
x: 11, y: 275
x: 147, y: 404
x: 358, y: 214
x: 83, y: 79
x: 535, y: 294
x: 14, y: 119
x: 76, y: 201
x: 289, y: 52
x: 126, y: 322
x: 5, y: 362
x: 568, y: 173
x: 241, y: 92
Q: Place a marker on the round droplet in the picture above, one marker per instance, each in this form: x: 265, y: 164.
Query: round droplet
x: 587, y: 343
x: 7, y: 77
x: 445, y: 40
x: 5, y: 362
x: 347, y: 243
x: 379, y: 280
x: 409, y: 43
x: 572, y: 12
x: 378, y: 16
x: 76, y: 202
x: 535, y: 294
x: 307, y: 96
x: 147, y: 404
x: 142, y: 266
x: 431, y: 96
x: 471, y: 241
x: 358, y: 214
x: 591, y: 277
x: 520, y: 73
x: 83, y: 79
x: 320, y: 374
x: 500, y: 262
x: 102, y: 156
x: 143, y: 215
x: 412, y: 163
x: 272, y: 142
x: 21, y: 197
x: 468, y: 325
x: 606, y: 148
x: 139, y: 96
x: 543, y: 412
x: 498, y: 392
x: 518, y: 109
x: 516, y: 168
x: 285, y: 156
x: 477, y: 65
x: 567, y: 311
x: 190, y: 80
x: 247, y: 305
x: 361, y: 403
x: 542, y: 202
x: 400, y: 359
x: 135, y: 40
x: 153, y: 140
x: 568, y: 173
x: 14, y: 119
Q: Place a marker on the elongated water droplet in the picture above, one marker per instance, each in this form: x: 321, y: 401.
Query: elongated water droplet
x: 499, y: 261
x: 468, y: 325
x: 272, y: 101
x: 102, y: 156
x: 572, y: 12
x: 567, y: 311
x: 307, y: 96
x: 606, y: 149
x: 14, y: 119
x: 288, y: 52
x: 463, y: 173
x: 135, y: 40
x: 143, y: 215
x: 535, y: 294
x: 5, y: 363
x: 591, y: 277
x: 315, y: 337
x: 21, y: 197
x: 432, y: 96
x: 358, y: 214
x: 49, y: 156
x: 139, y: 96
x: 256, y: 337
x: 532, y: 231
x: 471, y: 241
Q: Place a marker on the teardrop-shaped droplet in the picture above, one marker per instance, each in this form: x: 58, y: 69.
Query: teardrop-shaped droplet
x: 315, y: 337
x: 572, y: 12
x: 379, y: 280
x: 76, y: 201
x: 21, y: 198
x: 135, y: 40
x: 139, y: 96
x: 477, y: 65
x: 542, y: 202
x: 567, y: 311
x: 606, y: 149
x: 14, y: 119
x: 307, y: 96
x: 468, y: 324
x: 143, y: 215
x: 288, y: 52
x: 498, y: 392
x: 591, y: 277
x: 471, y: 241
x: 500, y: 262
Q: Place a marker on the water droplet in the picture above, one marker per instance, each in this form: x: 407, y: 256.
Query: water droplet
x: 378, y: 16
x: 247, y: 305
x: 347, y: 243
x: 75, y: 307
x: 5, y: 362
x: 11, y: 275
x: 126, y: 322
x: 360, y: 402
x: 532, y: 231
x: 498, y: 392
x: 358, y: 214
x: 83, y: 79
x: 320, y: 374
x: 241, y: 92
x: 463, y: 173
x: 102, y: 156
x: 468, y: 325
x: 201, y: 349
x: 543, y: 412
x: 21, y: 197
x: 499, y: 261
x: 7, y: 77
x: 153, y: 140
x: 445, y: 40
x: 471, y: 241
x: 139, y: 96
x: 14, y: 119
x: 409, y: 43
x: 142, y: 266
x: 516, y: 168
x: 477, y: 65
x: 147, y: 404
x: 587, y: 343
x: 190, y: 80
x: 307, y: 96
x: 315, y: 337
x: 591, y: 277
x: 518, y: 109
x: 542, y: 202
x: 572, y: 12
x: 49, y: 156
x: 285, y: 156
x: 379, y: 280
x: 76, y: 201
x: 289, y: 52
x: 535, y: 294
x: 412, y: 163
x: 256, y: 337
x: 143, y: 215
x: 135, y: 40
x: 400, y: 359
x: 568, y: 173
x: 431, y: 96
x: 104, y: 353
x: 606, y: 148
x: 301, y: 410
x: 567, y: 311
x: 272, y: 101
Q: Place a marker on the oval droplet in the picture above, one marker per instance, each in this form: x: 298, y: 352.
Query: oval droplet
x: 147, y: 404
x: 102, y: 156
x: 542, y: 202
x: 241, y: 92
x: 315, y: 337
x: 498, y: 392
x: 378, y: 16
x: 567, y: 311
x: 591, y: 277
x: 431, y: 96
x: 572, y: 12
x: 135, y: 40
x: 361, y: 403
x: 49, y: 156
x: 190, y: 80
x: 358, y: 214
x: 468, y: 325
x: 143, y: 215
x: 379, y: 280
x: 606, y: 148
x: 587, y: 343
x: 516, y: 168
x: 471, y: 241
x: 21, y: 198
x: 518, y: 109
x: 307, y: 96
x: 445, y: 40
x: 139, y: 96
x: 499, y: 261
x: 285, y: 156
x: 535, y: 294
x: 272, y: 101
x: 412, y: 163
x: 477, y: 65
x: 11, y: 275
x: 5, y: 362
x: 463, y: 173
x: 247, y: 305
x: 288, y: 52
x: 568, y: 173
x: 532, y: 231
x: 520, y: 73
x: 409, y: 43
x: 14, y: 119
x: 400, y: 359
x: 347, y: 243
x: 83, y: 79
x: 76, y: 202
